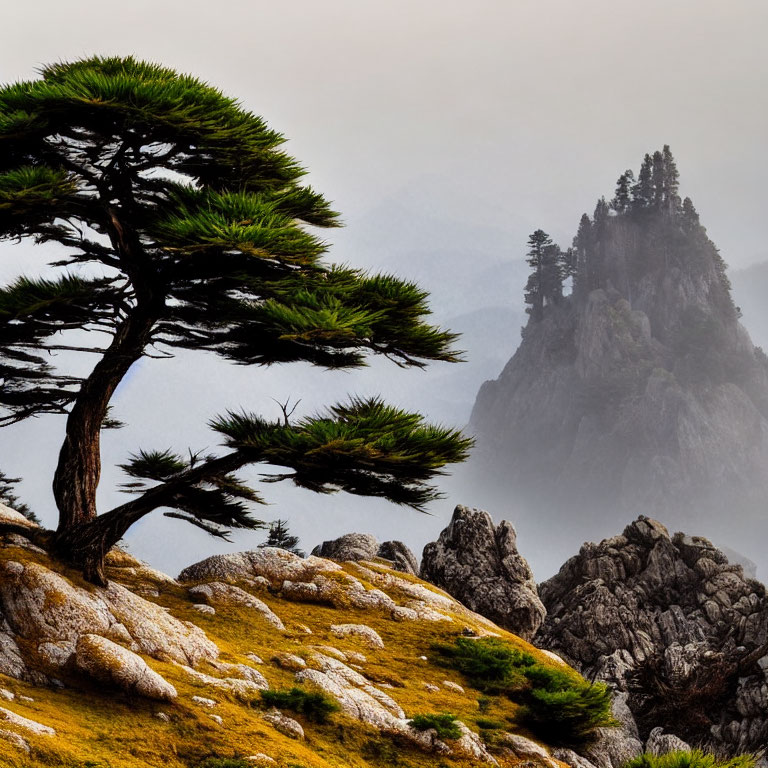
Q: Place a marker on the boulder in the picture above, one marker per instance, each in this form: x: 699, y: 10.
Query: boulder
x: 110, y: 663
x: 367, y: 634
x: 284, y: 724
x: 401, y: 556
x: 351, y: 546
x: 228, y: 594
x: 274, y: 565
x: 478, y: 563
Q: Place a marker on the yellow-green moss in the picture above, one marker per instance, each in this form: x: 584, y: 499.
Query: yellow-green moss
x: 104, y: 729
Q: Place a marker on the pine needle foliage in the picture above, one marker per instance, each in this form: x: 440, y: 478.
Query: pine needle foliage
x: 182, y: 225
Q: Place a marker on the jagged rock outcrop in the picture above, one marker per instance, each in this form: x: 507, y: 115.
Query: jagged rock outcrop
x: 670, y: 623
x: 640, y: 392
x: 478, y: 563
x: 364, y: 546
x: 401, y: 557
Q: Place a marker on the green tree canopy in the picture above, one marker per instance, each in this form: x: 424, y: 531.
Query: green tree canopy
x: 182, y: 225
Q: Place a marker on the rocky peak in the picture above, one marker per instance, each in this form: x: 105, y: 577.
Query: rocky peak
x: 668, y: 621
x: 639, y: 391
x: 477, y: 562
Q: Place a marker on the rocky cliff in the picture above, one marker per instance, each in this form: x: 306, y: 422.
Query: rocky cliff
x: 640, y: 391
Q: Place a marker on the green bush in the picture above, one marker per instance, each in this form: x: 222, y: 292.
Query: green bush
x: 693, y: 759
x: 225, y: 762
x: 445, y: 725
x: 314, y: 705
x: 557, y: 704
x: 489, y: 664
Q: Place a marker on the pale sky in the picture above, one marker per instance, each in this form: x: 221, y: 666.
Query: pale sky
x: 444, y: 132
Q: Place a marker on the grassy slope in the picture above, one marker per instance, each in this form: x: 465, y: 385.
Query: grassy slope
x: 98, y: 728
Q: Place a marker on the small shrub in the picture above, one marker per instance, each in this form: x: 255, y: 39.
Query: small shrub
x: 484, y: 702
x: 557, y: 703
x: 489, y: 664
x: 314, y: 705
x: 225, y: 762
x: 569, y: 715
x: 693, y: 759
x: 445, y: 725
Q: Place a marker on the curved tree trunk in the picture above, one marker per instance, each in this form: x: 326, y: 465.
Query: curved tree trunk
x: 79, y: 466
x: 86, y: 543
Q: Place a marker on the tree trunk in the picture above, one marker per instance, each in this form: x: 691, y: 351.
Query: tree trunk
x: 86, y: 543
x: 79, y: 467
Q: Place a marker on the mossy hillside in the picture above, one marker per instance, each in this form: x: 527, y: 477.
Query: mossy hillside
x: 102, y: 728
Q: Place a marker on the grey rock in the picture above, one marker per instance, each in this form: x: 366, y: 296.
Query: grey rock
x: 649, y: 606
x: 404, y: 560
x: 660, y: 743
x: 351, y: 546
x: 478, y: 563
x: 284, y: 724
x: 270, y: 564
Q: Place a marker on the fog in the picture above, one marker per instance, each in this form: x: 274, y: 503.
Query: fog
x: 445, y: 132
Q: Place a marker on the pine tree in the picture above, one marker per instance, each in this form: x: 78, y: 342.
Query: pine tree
x: 623, y: 198
x: 538, y: 243
x: 552, y: 275
x: 690, y: 215
x: 671, y: 181
x: 10, y: 499
x: 601, y: 214
x: 658, y: 179
x: 182, y: 225
x: 642, y: 192
x: 581, y: 246
x: 280, y: 538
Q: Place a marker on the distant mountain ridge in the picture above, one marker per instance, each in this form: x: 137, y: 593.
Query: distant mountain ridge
x: 640, y: 391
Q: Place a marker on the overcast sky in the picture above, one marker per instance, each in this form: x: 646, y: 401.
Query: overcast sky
x: 444, y: 132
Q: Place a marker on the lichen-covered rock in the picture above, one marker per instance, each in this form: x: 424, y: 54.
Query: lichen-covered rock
x: 350, y: 546
x: 14, y: 739
x: 43, y: 610
x: 673, y: 627
x: 228, y: 594
x: 17, y: 721
x: 110, y: 663
x: 284, y: 724
x: 367, y: 634
x: 275, y: 565
x: 478, y: 563
x: 245, y: 690
x: 527, y: 750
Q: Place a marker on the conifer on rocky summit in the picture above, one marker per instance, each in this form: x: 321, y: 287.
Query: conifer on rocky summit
x: 181, y: 225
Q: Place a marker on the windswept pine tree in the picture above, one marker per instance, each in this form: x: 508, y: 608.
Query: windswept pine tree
x: 181, y: 225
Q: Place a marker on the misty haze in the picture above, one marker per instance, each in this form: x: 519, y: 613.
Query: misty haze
x: 383, y: 384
